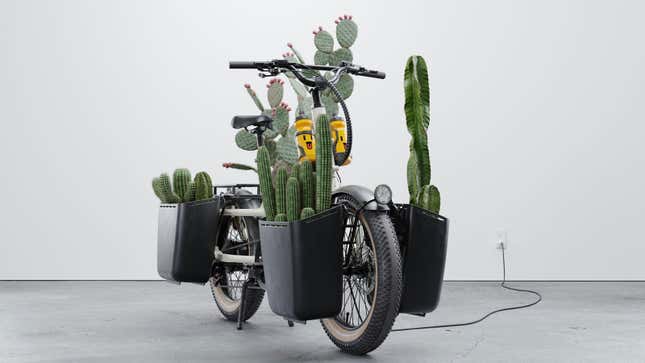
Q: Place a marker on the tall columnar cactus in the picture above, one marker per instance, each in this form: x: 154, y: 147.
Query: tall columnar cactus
x: 180, y: 179
x: 281, y: 190
x: 266, y: 187
x: 417, y: 113
x: 324, y: 163
x: 307, y: 183
x: 282, y: 217
x: 203, y: 186
x: 293, y: 199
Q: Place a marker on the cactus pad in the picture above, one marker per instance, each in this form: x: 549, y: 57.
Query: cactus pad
x: 287, y: 150
x: 280, y: 117
x: 246, y: 140
x: 341, y: 54
x: 323, y: 40
x: 345, y: 87
x: 275, y: 92
x: 346, y: 31
x: 321, y: 58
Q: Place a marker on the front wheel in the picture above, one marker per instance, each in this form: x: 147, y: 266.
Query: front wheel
x: 371, y: 281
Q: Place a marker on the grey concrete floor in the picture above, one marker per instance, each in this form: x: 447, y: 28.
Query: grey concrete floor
x: 156, y: 321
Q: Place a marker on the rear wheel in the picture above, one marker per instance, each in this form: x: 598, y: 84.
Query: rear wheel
x: 371, y: 281
x: 237, y: 236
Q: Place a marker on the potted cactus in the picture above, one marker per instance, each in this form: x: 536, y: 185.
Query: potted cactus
x: 301, y: 234
x: 423, y: 232
x: 186, y: 228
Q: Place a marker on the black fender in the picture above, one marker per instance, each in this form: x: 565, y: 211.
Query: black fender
x: 362, y: 195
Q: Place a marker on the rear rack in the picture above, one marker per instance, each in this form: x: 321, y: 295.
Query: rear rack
x: 233, y: 188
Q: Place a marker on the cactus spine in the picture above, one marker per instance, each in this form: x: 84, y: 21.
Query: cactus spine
x: 281, y: 190
x: 266, y: 187
x: 203, y: 186
x: 308, y: 184
x: 324, y: 162
x: 180, y: 180
x: 293, y: 199
x: 306, y: 213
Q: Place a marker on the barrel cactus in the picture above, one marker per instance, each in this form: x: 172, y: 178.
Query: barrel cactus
x: 180, y: 180
x: 203, y: 186
x: 417, y: 113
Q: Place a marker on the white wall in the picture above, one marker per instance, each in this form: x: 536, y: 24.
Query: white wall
x: 537, y: 124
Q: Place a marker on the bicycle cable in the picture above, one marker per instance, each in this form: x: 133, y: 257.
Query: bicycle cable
x: 503, y: 285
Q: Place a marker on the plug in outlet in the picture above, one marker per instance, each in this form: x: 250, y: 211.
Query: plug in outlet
x: 501, y: 243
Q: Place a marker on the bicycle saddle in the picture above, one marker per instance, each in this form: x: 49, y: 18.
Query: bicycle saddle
x: 240, y: 122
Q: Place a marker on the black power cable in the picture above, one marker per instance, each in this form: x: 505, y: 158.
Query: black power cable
x: 503, y: 285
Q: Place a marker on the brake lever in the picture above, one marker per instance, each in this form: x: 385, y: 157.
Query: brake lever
x: 269, y: 73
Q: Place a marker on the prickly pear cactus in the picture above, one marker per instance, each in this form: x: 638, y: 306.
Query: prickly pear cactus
x: 280, y: 117
x: 346, y: 31
x: 203, y: 186
x: 307, y: 183
x: 275, y: 92
x: 281, y: 190
x: 293, y: 199
x: 246, y: 140
x: 323, y: 40
x: 180, y: 179
x: 307, y: 212
x: 324, y: 163
x: 266, y: 186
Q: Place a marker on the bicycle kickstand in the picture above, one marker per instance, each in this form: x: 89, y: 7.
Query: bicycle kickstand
x: 240, y: 311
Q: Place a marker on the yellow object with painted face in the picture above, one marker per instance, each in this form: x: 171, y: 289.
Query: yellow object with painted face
x: 339, y: 139
x: 305, y: 139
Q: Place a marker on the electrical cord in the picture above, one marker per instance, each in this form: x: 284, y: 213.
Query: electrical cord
x: 503, y: 285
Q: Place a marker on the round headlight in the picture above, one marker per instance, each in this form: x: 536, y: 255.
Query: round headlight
x: 383, y: 194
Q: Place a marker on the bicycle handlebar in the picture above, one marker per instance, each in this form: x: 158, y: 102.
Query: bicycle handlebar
x: 283, y: 64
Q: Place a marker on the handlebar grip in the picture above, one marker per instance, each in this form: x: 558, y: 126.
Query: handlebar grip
x: 242, y: 65
x: 372, y: 74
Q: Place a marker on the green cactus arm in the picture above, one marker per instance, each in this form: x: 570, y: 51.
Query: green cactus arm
x: 307, y: 183
x: 281, y: 190
x: 166, y: 189
x: 239, y: 166
x: 254, y: 97
x: 415, y: 114
x: 324, y: 163
x: 293, y: 199
x: 413, y: 183
x: 346, y: 31
x: 434, y: 204
x: 296, y: 53
x: 156, y: 187
x: 266, y: 186
x: 203, y: 186
x: 180, y: 179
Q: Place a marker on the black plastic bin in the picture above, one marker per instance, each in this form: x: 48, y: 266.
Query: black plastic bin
x: 303, y: 265
x: 186, y: 240
x: 424, y: 237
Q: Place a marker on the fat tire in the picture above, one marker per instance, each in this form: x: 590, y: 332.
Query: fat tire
x: 385, y: 305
